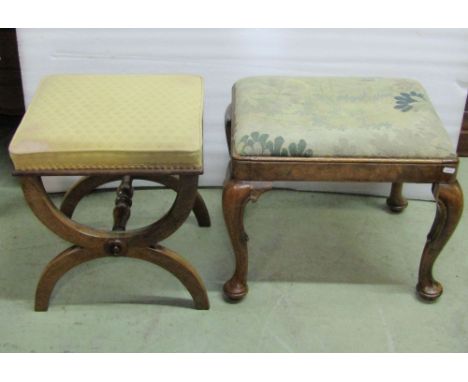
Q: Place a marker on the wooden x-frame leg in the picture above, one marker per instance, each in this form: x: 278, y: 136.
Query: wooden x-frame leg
x: 90, y: 243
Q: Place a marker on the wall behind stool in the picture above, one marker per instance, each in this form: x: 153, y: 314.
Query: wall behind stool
x: 437, y: 58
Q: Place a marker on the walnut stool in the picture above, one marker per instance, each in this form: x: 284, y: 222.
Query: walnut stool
x: 110, y: 128
x: 338, y: 129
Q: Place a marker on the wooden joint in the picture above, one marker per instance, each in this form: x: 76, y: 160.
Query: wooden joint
x: 115, y: 247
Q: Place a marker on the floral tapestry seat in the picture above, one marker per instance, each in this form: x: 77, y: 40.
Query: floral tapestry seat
x: 336, y: 117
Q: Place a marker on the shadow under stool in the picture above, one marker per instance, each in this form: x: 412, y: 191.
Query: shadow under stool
x: 338, y: 129
x: 109, y: 128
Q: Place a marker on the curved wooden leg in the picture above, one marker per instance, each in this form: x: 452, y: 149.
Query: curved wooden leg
x: 80, y: 189
x: 88, y: 184
x: 236, y: 194
x: 201, y: 212
x: 161, y: 256
x: 449, y: 198
x: 396, y: 201
x: 91, y: 243
x: 180, y: 268
x: 60, y: 265
x: 199, y: 207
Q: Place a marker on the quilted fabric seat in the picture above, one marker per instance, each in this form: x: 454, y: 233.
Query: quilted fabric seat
x: 336, y: 117
x: 98, y: 122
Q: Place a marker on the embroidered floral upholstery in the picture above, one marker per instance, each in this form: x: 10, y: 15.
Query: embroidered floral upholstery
x: 98, y: 122
x: 336, y: 117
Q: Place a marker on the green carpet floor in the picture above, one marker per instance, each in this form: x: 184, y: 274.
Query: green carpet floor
x: 328, y: 273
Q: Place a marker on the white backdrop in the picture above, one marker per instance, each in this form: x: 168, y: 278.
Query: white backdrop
x: 437, y: 58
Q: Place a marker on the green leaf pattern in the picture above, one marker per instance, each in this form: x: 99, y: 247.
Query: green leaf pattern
x: 406, y: 101
x: 259, y: 144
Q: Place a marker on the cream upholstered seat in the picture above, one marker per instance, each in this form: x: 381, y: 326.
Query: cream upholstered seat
x: 99, y: 122
x: 335, y: 117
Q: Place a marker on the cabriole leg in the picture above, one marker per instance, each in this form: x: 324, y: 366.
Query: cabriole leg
x: 449, y: 199
x: 236, y: 194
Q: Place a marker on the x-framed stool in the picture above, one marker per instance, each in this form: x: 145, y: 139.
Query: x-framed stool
x: 114, y: 141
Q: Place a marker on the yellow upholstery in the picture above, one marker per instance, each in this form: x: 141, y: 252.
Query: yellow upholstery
x: 99, y: 122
